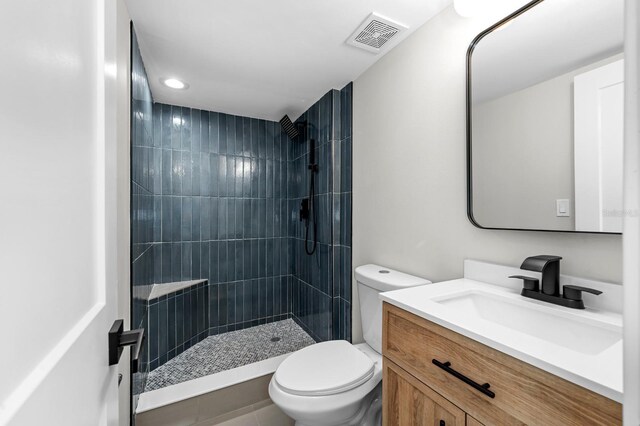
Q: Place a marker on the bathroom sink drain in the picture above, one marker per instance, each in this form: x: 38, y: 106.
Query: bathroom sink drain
x: 275, y: 339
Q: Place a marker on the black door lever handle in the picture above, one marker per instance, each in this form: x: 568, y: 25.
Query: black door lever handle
x: 118, y: 339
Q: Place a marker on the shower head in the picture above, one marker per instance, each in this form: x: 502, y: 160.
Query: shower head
x: 289, y: 128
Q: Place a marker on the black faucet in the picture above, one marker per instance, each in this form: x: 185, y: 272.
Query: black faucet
x: 550, y: 292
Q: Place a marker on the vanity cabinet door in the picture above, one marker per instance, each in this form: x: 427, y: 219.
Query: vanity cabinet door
x: 408, y: 402
x: 473, y: 422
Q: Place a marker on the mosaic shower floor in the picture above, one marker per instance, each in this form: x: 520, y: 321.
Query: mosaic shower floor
x: 230, y: 350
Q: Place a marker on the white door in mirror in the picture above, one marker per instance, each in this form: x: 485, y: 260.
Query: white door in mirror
x: 598, y: 130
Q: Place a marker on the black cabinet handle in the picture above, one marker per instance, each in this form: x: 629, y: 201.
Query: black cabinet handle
x: 118, y: 339
x: 482, y: 388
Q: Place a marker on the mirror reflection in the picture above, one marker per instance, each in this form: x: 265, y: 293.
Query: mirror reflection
x: 546, y: 119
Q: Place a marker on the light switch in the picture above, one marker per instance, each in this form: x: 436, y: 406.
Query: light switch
x: 563, y: 208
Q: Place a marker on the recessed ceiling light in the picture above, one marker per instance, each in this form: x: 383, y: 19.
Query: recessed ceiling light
x: 174, y: 83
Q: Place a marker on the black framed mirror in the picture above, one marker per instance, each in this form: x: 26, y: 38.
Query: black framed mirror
x: 545, y: 119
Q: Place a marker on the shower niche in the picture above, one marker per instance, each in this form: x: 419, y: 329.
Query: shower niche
x: 218, y: 257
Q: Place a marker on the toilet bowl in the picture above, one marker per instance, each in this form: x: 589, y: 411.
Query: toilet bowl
x: 336, y: 382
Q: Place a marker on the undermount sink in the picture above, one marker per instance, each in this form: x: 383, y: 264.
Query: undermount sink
x: 577, y: 333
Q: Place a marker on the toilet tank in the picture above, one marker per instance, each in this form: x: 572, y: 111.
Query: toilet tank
x: 373, y: 280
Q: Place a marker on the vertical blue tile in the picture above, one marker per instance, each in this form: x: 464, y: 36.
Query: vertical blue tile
x: 262, y: 139
x: 231, y: 303
x: 255, y: 258
x: 205, y: 175
x: 195, y: 261
x: 231, y: 218
x: 269, y: 297
x: 214, y: 132
x: 247, y: 301
x: 195, y: 131
x: 185, y: 129
x: 231, y: 176
x: 186, y: 223
x: 222, y: 133
x: 214, y: 222
x: 262, y: 297
x: 204, y: 260
x: 223, y: 230
x: 246, y: 136
x: 222, y: 176
x: 171, y: 323
x: 262, y: 257
x: 269, y: 260
x: 176, y: 124
x: 246, y: 218
x: 195, y: 173
x: 238, y: 260
x: 185, y: 274
x: 163, y: 334
x: 196, y: 213
x: 179, y: 315
x: 223, y: 302
x: 246, y: 257
x: 213, y: 305
x: 166, y: 263
x: 223, y: 262
x: 239, y: 301
x: 213, y: 188
x: 269, y: 135
x: 205, y: 142
x: 255, y: 130
x: 214, y: 262
x: 154, y: 325
x: 166, y: 221
x: 165, y: 125
x: 176, y: 172
x: 246, y: 177
x: 205, y: 219
x: 187, y: 332
x: 176, y: 262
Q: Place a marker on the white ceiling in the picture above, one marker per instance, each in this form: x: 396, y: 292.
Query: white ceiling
x: 553, y: 38
x: 260, y: 58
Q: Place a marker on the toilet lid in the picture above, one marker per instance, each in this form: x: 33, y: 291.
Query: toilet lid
x: 325, y: 368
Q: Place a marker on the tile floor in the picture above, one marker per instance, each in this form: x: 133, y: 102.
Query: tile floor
x: 268, y: 415
x: 230, y: 350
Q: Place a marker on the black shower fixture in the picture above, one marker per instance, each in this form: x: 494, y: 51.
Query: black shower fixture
x: 289, y: 128
x: 308, y: 211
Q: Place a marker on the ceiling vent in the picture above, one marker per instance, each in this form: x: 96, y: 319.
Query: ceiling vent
x: 375, y: 34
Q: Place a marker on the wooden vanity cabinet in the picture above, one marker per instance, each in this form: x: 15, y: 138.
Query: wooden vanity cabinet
x: 410, y: 402
x: 434, y: 376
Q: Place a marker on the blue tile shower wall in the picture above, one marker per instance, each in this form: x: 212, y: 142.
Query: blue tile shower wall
x: 342, y: 214
x: 177, y: 321
x: 143, y: 210
x: 321, y: 283
x: 216, y: 197
x: 221, y: 213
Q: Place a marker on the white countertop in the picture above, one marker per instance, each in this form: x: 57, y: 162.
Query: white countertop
x: 600, y: 372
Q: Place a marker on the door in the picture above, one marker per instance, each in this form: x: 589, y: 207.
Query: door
x: 598, y: 143
x: 408, y: 402
x: 57, y: 212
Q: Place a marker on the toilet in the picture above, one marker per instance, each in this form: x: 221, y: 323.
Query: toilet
x: 336, y: 382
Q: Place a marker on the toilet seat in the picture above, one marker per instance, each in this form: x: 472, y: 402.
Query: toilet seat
x: 326, y: 368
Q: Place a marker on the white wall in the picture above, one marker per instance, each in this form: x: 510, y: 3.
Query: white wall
x: 409, y: 166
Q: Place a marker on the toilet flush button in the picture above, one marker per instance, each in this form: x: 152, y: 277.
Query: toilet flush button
x: 383, y: 271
